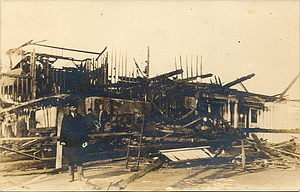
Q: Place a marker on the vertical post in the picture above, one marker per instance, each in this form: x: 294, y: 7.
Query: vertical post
x: 126, y: 65
x: 245, y: 120
x: 192, y: 66
x: 122, y: 73
x: 33, y: 73
x: 229, y: 111
x: 201, y: 68
x: 243, y: 156
x: 148, y: 62
x: 59, y: 147
x: 13, y: 90
x: 187, y: 67
x: 197, y: 67
x: 236, y: 115
x: 249, y: 118
x: 17, y: 88
x: 115, y: 66
x: 119, y: 66
x: 22, y: 87
x: 111, y: 66
x: 265, y: 117
x: 181, y: 67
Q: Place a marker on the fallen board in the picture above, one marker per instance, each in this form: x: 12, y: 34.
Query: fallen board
x: 187, y: 153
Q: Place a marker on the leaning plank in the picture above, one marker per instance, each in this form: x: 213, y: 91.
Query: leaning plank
x: 191, y: 123
x: 4, y: 148
x: 156, y: 164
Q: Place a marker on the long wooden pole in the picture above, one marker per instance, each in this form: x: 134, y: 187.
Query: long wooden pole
x: 148, y: 62
x: 192, y: 65
x: 111, y: 66
x: 197, y: 67
x: 126, y: 65
x: 181, y: 67
x: 201, y: 69
x: 122, y: 74
x: 187, y: 66
x: 115, y: 69
x: 119, y: 66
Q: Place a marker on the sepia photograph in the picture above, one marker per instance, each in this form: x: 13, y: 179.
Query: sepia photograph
x: 140, y: 95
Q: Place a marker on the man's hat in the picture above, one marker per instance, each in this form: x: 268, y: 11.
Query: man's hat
x: 73, y: 103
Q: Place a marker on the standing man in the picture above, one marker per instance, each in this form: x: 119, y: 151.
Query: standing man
x: 74, y: 137
x: 103, y: 117
x: 90, y: 121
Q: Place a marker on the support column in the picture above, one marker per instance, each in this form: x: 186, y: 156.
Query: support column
x: 249, y: 118
x: 228, y: 112
x: 59, y: 147
x: 236, y: 115
x: 265, y: 117
x: 245, y: 119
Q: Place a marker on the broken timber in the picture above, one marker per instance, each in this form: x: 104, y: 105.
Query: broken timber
x: 154, y: 165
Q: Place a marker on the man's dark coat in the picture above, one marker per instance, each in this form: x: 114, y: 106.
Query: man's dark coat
x: 74, y: 133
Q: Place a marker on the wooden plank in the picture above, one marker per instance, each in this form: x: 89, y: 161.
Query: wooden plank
x: 113, y: 134
x: 27, y: 138
x: 193, y: 122
x: 188, y: 153
x: 208, y: 152
x: 171, y: 156
x: 184, y: 149
x: 12, y: 150
x: 156, y: 164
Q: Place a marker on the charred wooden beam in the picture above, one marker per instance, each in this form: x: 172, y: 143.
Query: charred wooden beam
x: 69, y: 49
x: 194, y: 78
x: 57, y: 57
x: 166, y: 75
x: 289, y: 86
x: 187, y: 114
x: 239, y: 80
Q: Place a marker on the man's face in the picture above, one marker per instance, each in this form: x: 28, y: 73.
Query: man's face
x: 101, y: 107
x: 73, y: 109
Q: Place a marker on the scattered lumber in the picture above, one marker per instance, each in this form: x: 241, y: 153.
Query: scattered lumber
x: 154, y: 165
x: 21, y: 153
x: 28, y: 164
x: 181, y: 139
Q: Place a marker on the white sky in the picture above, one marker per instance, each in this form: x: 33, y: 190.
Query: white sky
x: 235, y: 38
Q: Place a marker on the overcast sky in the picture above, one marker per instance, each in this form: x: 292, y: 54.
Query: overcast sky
x: 235, y: 38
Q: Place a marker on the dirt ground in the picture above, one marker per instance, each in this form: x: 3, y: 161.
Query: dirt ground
x: 106, y: 175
